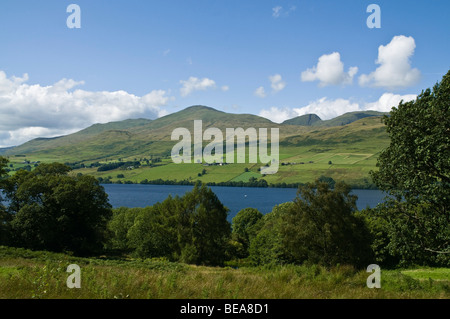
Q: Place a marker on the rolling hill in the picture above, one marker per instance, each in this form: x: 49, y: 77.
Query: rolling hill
x: 344, y: 148
x: 344, y: 119
x: 304, y: 120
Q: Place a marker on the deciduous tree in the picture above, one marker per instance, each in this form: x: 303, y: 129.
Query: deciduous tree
x: 415, y: 171
x: 54, y: 211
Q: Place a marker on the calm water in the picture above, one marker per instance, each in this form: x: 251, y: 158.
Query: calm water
x: 235, y: 198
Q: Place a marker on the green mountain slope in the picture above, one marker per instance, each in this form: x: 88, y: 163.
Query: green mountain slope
x: 344, y: 119
x: 134, y: 137
x: 46, y: 144
x: 304, y: 120
x: 348, y: 118
x: 342, y: 151
x: 3, y: 150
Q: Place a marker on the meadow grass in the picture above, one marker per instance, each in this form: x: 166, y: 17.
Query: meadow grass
x: 42, y: 275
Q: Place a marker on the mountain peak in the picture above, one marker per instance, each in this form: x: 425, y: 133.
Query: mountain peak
x: 200, y: 108
x: 304, y: 120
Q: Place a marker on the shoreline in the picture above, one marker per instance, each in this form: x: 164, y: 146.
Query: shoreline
x: 228, y: 184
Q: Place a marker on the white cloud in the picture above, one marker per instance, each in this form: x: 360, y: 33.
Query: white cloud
x: 260, y: 92
x: 329, y: 71
x: 277, y: 83
x: 324, y: 108
x: 395, y: 68
x: 24, y: 134
x: 389, y: 100
x: 278, y: 115
x: 327, y: 109
x: 225, y: 88
x: 196, y: 84
x: 30, y: 111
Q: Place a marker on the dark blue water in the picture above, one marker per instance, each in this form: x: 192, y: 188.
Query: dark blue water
x: 235, y: 198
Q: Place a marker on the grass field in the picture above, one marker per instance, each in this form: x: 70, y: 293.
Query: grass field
x: 297, y: 165
x: 42, y: 275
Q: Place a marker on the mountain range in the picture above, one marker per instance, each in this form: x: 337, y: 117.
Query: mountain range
x: 350, y: 142
x: 137, y: 135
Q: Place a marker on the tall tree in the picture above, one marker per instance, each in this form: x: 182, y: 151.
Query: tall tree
x: 57, y: 212
x: 267, y: 245
x: 192, y: 229
x: 5, y: 218
x: 210, y: 227
x: 154, y: 230
x: 415, y: 171
x: 322, y: 227
x: 244, y: 227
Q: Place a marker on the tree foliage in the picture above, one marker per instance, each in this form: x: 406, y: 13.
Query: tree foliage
x: 244, y: 228
x: 5, y: 218
x: 322, y: 227
x: 122, y: 220
x: 51, y: 210
x: 192, y: 229
x: 267, y: 246
x: 415, y: 171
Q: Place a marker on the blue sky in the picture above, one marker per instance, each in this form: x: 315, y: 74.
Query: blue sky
x: 278, y: 59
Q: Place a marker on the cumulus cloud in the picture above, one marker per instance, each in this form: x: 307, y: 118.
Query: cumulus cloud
x: 30, y: 111
x: 225, y: 88
x: 324, y: 108
x: 327, y: 109
x: 196, y: 84
x: 277, y: 83
x: 329, y: 71
x: 395, y: 67
x: 389, y: 100
x: 278, y: 115
x: 260, y: 92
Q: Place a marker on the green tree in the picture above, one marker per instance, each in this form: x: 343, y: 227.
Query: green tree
x: 244, y: 227
x: 322, y: 228
x: 191, y: 229
x: 54, y: 211
x: 5, y: 217
x: 210, y: 228
x: 123, y: 218
x: 3, y: 165
x: 379, y: 230
x: 267, y: 246
x: 415, y: 171
x: 154, y: 232
x: 330, y: 181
